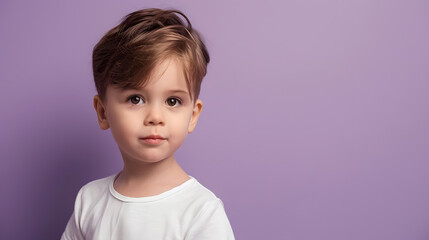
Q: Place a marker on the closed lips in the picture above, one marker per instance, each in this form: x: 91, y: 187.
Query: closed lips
x: 153, y: 137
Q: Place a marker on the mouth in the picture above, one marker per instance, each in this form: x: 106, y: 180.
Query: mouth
x: 153, y: 139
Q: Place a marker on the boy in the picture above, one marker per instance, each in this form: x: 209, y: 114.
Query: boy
x: 148, y: 71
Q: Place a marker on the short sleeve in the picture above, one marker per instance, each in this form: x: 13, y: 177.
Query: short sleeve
x: 211, y: 223
x: 73, y: 231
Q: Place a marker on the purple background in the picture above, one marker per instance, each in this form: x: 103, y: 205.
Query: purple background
x: 315, y: 123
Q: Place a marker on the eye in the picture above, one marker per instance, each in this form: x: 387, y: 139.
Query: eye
x: 135, y: 99
x: 173, y: 102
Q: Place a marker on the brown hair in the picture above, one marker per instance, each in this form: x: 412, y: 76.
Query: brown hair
x: 128, y: 53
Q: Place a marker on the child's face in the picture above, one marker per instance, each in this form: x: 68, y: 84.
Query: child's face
x: 163, y: 108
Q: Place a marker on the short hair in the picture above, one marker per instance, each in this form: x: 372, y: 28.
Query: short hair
x: 127, y: 54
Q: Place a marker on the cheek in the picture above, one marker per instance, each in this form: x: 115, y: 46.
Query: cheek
x: 122, y: 126
x: 179, y: 124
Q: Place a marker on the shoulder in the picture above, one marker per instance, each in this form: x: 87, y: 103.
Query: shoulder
x: 202, y: 192
x: 94, y: 189
x: 204, y: 200
x: 201, y: 197
x: 210, y: 221
x: 96, y: 186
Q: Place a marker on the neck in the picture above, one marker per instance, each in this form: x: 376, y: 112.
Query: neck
x: 142, y: 173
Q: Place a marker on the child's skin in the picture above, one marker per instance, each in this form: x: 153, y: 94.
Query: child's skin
x: 162, y: 107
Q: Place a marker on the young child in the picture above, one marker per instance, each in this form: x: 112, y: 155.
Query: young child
x: 148, y: 71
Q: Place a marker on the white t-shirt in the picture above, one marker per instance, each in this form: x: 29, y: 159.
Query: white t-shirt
x: 188, y: 211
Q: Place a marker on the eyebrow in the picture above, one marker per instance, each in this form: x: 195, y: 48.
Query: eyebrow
x: 169, y: 91
x: 178, y: 91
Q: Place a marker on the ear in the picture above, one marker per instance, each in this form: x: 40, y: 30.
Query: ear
x: 101, y: 113
x: 198, y: 106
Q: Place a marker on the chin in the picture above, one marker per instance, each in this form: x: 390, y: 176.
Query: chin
x: 152, y: 159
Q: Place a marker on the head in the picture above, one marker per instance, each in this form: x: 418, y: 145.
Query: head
x: 148, y: 72
x: 127, y: 54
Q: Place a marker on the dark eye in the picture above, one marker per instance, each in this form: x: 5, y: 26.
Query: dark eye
x: 173, y: 102
x: 135, y: 99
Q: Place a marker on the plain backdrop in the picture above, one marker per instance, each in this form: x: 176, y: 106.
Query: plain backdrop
x: 315, y: 119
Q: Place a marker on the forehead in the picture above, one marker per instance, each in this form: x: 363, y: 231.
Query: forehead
x: 168, y: 73
x: 166, y: 76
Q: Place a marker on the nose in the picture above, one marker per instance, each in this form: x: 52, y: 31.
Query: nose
x: 154, y: 116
